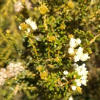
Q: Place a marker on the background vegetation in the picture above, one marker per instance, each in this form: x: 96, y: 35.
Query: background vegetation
x: 54, y: 19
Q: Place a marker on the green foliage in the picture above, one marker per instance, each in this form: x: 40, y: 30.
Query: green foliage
x: 43, y: 47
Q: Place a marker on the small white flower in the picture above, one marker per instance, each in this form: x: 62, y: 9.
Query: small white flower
x: 79, y: 51
x: 78, y: 41
x: 83, y: 65
x: 70, y: 98
x: 84, y: 57
x: 20, y: 27
x: 76, y: 58
x: 64, y: 78
x: 72, y: 43
x: 84, y: 76
x: 84, y: 82
x: 28, y: 30
x: 38, y: 38
x: 31, y: 23
x: 81, y: 70
x: 73, y: 88
x: 65, y: 72
x: 75, y: 65
x: 28, y: 21
x: 78, y: 82
x: 71, y: 51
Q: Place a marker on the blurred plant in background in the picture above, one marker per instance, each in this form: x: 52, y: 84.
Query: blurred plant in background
x: 44, y: 46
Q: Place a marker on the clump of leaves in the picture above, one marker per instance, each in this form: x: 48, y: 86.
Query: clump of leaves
x: 45, y: 31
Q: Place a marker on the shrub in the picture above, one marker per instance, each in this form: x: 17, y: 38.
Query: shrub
x: 44, y: 46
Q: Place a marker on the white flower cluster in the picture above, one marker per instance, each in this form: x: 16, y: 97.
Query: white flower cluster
x: 10, y: 71
x: 77, y: 54
x: 82, y: 72
x: 80, y: 77
x: 14, y: 69
x: 18, y: 6
x: 3, y: 76
x: 28, y: 4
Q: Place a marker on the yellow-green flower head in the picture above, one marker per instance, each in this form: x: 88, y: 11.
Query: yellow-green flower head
x: 70, y: 4
x: 51, y: 38
x: 23, y: 26
x: 43, y: 75
x: 43, y: 9
x: 63, y: 26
